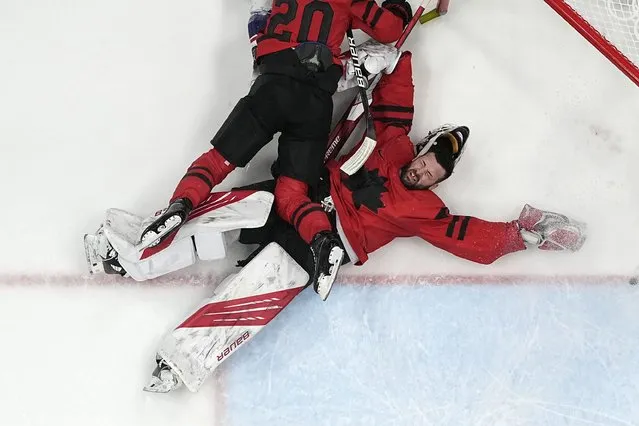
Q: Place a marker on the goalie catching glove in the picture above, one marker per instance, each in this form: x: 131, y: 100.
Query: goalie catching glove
x: 550, y: 231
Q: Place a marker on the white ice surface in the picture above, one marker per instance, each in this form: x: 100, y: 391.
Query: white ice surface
x: 104, y: 104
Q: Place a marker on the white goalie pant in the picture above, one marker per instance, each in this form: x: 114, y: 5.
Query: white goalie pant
x: 203, y: 237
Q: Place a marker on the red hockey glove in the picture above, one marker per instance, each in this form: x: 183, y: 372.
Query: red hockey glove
x: 400, y: 8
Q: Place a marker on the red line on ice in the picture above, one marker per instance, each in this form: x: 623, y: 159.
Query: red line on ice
x: 345, y: 279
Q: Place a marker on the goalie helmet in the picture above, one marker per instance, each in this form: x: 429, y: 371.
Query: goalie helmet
x: 447, y: 143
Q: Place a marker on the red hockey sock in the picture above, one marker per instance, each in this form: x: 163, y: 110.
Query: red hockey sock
x: 294, y: 206
x: 206, y: 172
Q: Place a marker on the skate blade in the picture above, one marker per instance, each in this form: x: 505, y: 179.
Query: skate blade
x: 152, y: 238
x: 325, y: 282
x: 94, y: 264
x: 164, y: 382
x: 158, y: 386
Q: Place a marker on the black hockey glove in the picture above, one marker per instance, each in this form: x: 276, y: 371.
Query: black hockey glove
x: 399, y: 8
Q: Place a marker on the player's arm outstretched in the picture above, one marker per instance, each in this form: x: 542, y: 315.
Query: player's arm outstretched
x: 484, y: 242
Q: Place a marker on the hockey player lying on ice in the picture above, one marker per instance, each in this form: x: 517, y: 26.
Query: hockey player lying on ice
x: 391, y: 196
x: 297, y: 54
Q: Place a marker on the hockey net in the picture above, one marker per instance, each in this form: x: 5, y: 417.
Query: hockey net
x: 612, y: 26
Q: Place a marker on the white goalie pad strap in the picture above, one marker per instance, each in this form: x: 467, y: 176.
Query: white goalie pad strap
x: 178, y: 255
x: 209, y: 245
x: 239, y: 308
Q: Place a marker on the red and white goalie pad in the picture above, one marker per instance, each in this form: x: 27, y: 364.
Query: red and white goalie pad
x: 201, y: 237
x: 239, y: 308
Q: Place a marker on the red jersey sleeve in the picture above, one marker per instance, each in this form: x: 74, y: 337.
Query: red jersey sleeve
x: 470, y: 238
x: 392, y: 112
x: 392, y: 107
x: 377, y: 22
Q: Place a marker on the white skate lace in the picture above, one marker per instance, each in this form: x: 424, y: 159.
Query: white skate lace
x: 327, y: 204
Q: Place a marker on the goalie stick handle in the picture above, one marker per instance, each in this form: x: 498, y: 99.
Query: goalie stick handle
x: 362, y: 83
x: 361, y: 80
x: 341, y: 132
x: 410, y: 26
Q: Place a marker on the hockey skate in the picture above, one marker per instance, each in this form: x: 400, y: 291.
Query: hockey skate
x: 163, y: 379
x: 100, y: 255
x: 551, y: 231
x: 165, y: 223
x: 327, y: 255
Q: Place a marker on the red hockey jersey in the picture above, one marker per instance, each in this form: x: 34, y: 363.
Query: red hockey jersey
x: 325, y: 21
x: 374, y: 206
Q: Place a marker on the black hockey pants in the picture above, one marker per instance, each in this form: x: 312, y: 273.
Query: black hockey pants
x: 279, y: 103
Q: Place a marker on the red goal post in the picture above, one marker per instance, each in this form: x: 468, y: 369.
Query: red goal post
x: 612, y: 26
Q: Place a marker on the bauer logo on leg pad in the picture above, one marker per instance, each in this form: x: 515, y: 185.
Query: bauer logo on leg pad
x: 244, y: 337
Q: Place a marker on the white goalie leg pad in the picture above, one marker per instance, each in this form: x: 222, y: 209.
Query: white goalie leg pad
x: 239, y: 308
x: 219, y: 213
x: 182, y: 252
x: 121, y: 228
x: 202, y: 237
x: 210, y: 245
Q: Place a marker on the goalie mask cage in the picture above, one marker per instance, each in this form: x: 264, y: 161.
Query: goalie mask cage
x: 612, y: 26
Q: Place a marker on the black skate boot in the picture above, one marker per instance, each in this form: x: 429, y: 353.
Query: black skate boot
x: 327, y: 256
x: 113, y: 267
x: 168, y: 222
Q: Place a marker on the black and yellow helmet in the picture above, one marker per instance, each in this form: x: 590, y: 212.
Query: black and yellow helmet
x: 447, y: 142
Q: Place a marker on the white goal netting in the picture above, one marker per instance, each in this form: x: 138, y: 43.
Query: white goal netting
x: 611, y: 25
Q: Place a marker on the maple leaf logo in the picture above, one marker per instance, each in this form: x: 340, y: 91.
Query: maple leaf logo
x: 367, y: 187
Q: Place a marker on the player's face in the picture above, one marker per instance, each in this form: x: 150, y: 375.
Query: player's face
x: 422, y: 173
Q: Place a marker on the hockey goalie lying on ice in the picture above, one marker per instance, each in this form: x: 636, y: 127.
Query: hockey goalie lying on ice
x: 391, y: 196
